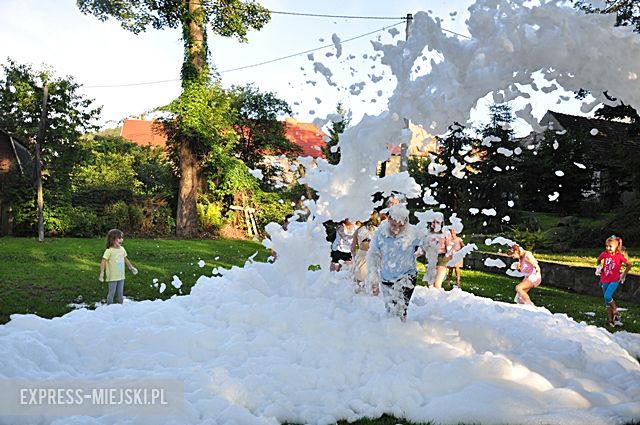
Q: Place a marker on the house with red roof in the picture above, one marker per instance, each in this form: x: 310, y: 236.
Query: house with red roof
x: 306, y: 135
x: 143, y: 133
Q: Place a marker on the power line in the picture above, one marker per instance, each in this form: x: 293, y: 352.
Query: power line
x: 334, y: 16
x: 247, y: 66
x: 403, y: 19
x: 130, y: 84
x: 311, y: 50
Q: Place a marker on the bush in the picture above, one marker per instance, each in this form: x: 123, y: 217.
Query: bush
x: 85, y: 223
x: 210, y: 218
x: 116, y: 215
x: 270, y: 207
x: 528, y: 239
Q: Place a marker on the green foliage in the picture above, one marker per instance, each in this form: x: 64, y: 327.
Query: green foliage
x: 210, y: 216
x: 531, y: 240
x: 493, y: 184
x: 256, y: 122
x: 537, y: 167
x: 452, y: 191
x: 335, y: 130
x: 231, y: 18
x: 270, y: 207
x: 69, y: 115
x: 200, y: 127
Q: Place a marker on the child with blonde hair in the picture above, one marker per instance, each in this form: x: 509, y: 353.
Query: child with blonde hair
x: 112, y: 266
x: 608, y: 266
x: 528, y: 265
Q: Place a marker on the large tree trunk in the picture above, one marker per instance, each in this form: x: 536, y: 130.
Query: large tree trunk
x: 186, y: 221
x: 195, y: 70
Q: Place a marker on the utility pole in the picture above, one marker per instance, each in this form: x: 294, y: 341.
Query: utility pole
x: 39, y: 142
x: 404, y: 147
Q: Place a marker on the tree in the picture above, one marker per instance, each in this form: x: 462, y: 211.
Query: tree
x: 559, y: 163
x: 256, y: 122
x: 453, y: 187
x: 331, y: 150
x: 494, y: 185
x: 69, y: 115
x: 190, y: 131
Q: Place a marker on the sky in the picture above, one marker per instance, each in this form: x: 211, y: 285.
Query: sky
x: 114, y: 65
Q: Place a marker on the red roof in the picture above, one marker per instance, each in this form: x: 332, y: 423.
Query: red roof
x: 141, y: 132
x: 306, y: 135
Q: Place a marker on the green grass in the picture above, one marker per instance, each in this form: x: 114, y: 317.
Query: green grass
x: 43, y: 278
x: 576, y: 306
x: 575, y: 257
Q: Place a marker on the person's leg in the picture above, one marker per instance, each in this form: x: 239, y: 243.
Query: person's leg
x: 120, y: 291
x: 450, y: 271
x: 458, y: 276
x: 112, y: 291
x: 387, y: 295
x: 407, y: 285
x: 609, y: 289
x: 441, y: 272
x: 522, y: 290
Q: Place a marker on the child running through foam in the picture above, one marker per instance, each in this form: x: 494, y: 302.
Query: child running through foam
x: 608, y: 266
x: 528, y: 265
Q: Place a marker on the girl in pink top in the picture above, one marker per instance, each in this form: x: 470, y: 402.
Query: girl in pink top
x: 608, y: 267
x: 456, y: 245
x: 527, y: 265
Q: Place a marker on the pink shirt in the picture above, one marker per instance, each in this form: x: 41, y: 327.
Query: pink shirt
x: 611, y: 264
x: 529, y: 269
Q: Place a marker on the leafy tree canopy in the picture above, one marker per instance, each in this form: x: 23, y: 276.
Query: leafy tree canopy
x: 256, y: 121
x: 69, y: 114
x: 228, y: 18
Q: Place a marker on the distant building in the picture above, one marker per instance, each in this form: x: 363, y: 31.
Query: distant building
x: 14, y: 159
x: 143, y: 133
x: 422, y: 144
x: 305, y: 135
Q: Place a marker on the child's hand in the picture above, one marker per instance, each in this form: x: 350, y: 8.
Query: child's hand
x: 101, y: 277
x: 598, y: 270
x: 133, y: 270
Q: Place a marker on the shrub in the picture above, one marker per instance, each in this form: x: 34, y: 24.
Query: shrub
x: 85, y: 223
x: 210, y: 218
x: 116, y: 215
x: 528, y: 239
x: 270, y: 207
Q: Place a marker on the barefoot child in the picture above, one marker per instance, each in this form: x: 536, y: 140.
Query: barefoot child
x: 456, y: 245
x: 608, y: 267
x: 527, y: 265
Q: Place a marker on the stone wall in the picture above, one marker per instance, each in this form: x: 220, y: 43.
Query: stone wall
x: 578, y: 279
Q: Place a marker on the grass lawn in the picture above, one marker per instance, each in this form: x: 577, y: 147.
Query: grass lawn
x: 44, y: 278
x: 574, y: 257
